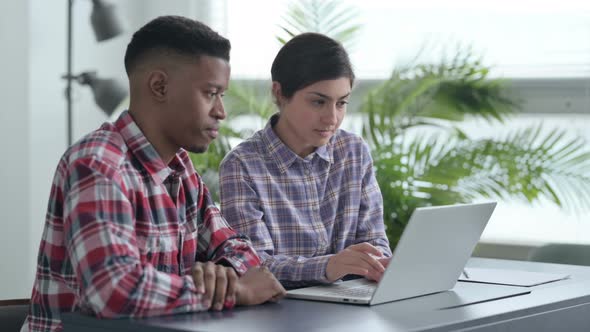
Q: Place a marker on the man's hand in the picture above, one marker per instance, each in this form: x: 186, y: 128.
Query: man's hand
x: 258, y: 285
x: 361, y: 259
x: 217, y: 283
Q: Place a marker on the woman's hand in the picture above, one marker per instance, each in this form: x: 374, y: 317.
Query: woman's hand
x: 361, y: 259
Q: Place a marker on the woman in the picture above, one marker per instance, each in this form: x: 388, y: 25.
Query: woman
x: 302, y: 189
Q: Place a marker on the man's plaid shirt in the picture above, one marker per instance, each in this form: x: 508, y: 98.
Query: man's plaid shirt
x: 123, y: 231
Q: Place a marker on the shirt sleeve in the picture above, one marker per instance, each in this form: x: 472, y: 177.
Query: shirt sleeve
x: 101, y: 245
x: 370, y: 226
x: 218, y: 242
x: 240, y: 206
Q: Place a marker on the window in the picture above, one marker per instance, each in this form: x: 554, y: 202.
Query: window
x: 520, y: 39
x: 542, y: 46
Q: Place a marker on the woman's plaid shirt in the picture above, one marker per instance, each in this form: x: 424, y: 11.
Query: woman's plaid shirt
x: 301, y: 211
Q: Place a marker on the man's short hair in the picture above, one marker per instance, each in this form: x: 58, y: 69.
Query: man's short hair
x: 177, y: 35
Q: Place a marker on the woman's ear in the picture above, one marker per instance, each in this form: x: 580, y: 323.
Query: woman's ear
x: 276, y: 93
x: 158, y: 84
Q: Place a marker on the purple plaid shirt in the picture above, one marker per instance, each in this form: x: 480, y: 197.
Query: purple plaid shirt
x: 297, y: 211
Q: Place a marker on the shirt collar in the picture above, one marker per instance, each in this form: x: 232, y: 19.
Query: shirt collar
x: 282, y: 154
x: 145, y: 152
x: 325, y: 152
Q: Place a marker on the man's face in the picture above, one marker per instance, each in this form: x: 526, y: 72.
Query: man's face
x: 194, y: 107
x: 311, y: 117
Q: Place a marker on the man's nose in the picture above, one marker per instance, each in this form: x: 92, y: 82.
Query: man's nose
x: 219, y: 109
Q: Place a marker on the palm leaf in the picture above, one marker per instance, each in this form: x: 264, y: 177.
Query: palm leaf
x: 330, y: 18
x: 247, y: 99
x: 525, y: 165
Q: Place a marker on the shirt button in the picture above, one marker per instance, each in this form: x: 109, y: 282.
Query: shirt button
x: 307, y: 172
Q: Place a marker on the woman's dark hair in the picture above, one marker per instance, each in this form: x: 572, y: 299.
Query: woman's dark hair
x: 176, y: 35
x: 309, y: 58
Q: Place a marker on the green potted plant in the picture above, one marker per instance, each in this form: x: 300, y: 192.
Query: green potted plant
x: 416, y: 167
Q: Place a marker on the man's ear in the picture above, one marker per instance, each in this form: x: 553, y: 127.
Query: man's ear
x: 276, y: 93
x: 158, y: 84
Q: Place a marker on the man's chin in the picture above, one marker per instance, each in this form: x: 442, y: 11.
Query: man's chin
x: 198, y: 149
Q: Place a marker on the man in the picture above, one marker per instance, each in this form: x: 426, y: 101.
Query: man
x: 131, y: 229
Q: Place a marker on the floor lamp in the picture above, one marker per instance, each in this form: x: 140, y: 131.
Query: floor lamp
x: 108, y: 93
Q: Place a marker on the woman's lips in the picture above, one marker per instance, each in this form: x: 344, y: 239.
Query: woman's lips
x: 325, y: 133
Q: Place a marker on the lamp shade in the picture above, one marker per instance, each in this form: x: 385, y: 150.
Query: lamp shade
x: 105, y: 22
x: 108, y: 93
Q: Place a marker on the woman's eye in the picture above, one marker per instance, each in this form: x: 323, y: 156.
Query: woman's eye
x: 318, y: 102
x: 342, y: 103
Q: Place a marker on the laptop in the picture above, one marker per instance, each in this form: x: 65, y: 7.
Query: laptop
x: 430, y: 256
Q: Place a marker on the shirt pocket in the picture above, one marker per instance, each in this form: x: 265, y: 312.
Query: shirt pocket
x: 160, y: 249
x: 166, y: 257
x: 148, y: 243
x: 189, y: 234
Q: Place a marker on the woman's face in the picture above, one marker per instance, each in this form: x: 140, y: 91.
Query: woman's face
x: 311, y: 117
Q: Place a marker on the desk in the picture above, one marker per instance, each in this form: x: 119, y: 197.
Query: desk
x: 561, y: 305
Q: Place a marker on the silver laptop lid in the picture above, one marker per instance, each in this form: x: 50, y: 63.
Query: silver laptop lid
x: 433, y: 250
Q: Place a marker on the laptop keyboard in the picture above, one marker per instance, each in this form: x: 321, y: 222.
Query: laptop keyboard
x: 358, y: 291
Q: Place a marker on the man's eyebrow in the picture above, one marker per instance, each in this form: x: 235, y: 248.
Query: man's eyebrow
x: 215, y: 86
x: 326, y: 96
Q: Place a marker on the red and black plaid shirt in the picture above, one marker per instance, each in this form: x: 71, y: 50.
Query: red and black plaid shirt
x: 123, y: 231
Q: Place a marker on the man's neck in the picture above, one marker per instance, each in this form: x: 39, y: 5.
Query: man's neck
x: 148, y: 126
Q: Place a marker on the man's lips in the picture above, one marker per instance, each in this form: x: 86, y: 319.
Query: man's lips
x: 213, y: 132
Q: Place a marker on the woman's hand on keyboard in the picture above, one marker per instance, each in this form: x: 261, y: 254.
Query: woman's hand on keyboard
x: 361, y: 259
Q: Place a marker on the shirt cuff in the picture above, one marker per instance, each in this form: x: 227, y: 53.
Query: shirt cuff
x: 324, y: 264
x: 314, y: 269
x: 238, y: 263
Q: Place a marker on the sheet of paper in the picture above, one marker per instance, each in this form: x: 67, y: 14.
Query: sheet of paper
x: 509, y: 277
